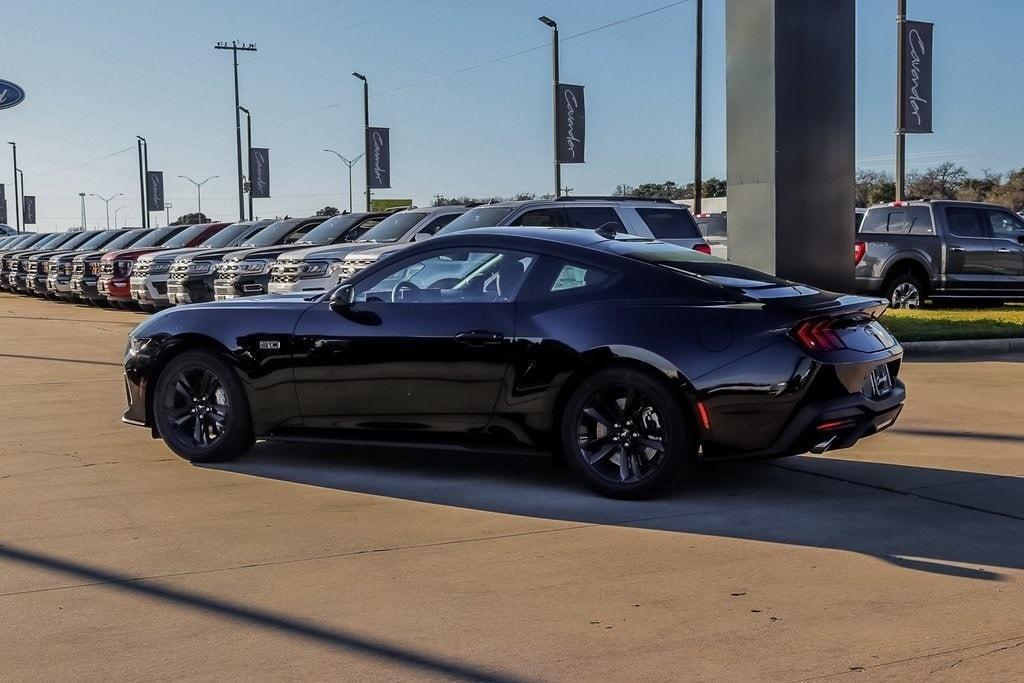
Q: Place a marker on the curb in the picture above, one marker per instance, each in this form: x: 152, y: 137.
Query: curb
x: 964, y: 349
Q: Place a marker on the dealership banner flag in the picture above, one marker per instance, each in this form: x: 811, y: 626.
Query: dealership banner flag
x: 378, y: 142
x: 916, y: 98
x: 259, y: 173
x: 572, y: 122
x: 29, y: 209
x: 155, y: 190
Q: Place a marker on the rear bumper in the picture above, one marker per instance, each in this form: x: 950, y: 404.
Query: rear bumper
x: 869, y: 285
x: 829, y: 425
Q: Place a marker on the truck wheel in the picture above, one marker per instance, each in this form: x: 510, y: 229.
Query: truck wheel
x: 904, y: 291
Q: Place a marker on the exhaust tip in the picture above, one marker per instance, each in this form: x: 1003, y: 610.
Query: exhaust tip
x: 822, y: 446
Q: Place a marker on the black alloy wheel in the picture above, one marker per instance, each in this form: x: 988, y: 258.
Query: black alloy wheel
x: 626, y: 435
x: 200, y: 409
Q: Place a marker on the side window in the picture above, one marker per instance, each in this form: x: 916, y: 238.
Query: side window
x: 1005, y: 225
x: 670, y: 223
x: 593, y: 217
x: 451, y: 276
x: 544, y: 218
x: 433, y: 226
x: 875, y: 222
x: 920, y: 219
x: 897, y: 223
x: 357, y: 232
x: 964, y: 222
x: 572, y: 276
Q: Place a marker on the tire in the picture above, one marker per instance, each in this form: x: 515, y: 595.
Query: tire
x: 599, y: 418
x: 200, y: 409
x: 904, y: 291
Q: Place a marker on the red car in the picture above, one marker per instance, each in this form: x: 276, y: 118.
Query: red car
x: 114, y: 281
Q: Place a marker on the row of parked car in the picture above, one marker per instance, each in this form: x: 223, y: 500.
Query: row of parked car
x: 181, y: 264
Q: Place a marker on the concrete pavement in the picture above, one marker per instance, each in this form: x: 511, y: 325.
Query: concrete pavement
x: 899, y: 558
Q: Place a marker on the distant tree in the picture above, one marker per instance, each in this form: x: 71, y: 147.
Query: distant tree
x: 715, y: 187
x: 192, y: 219
x: 327, y: 211
x: 1010, y: 193
x: 712, y: 187
x: 977, y: 189
x: 939, y: 182
x: 870, y: 184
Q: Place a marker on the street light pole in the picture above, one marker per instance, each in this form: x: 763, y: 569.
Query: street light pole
x: 366, y: 132
x: 235, y: 46
x: 698, y: 121
x: 107, y: 200
x: 141, y: 141
x: 81, y: 199
x: 199, y: 192
x: 115, y: 214
x: 18, y: 173
x: 350, y: 163
x: 248, y: 136
x: 550, y: 23
x: 901, y: 139
x: 17, y: 201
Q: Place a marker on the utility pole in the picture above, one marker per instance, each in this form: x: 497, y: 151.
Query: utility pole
x: 106, y: 200
x: 235, y: 46
x: 167, y: 212
x: 366, y: 132
x: 901, y: 139
x: 550, y: 23
x: 350, y: 163
x: 698, y: 113
x: 142, y: 182
x: 17, y: 200
x: 248, y: 158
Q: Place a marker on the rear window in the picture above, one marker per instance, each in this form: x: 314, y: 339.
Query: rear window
x: 670, y: 223
x: 710, y: 268
x: 875, y: 221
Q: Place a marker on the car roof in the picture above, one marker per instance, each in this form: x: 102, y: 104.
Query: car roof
x: 573, y: 237
x: 588, y: 199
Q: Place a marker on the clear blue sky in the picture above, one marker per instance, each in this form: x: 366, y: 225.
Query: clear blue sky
x: 99, y: 73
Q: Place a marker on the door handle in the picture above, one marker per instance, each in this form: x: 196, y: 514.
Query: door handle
x: 1002, y: 251
x: 479, y: 337
x: 958, y: 249
x: 329, y: 344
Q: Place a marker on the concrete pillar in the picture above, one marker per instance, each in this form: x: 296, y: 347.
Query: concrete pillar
x: 790, y: 91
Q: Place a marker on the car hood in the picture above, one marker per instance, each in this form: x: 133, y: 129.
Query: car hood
x: 128, y: 254
x: 328, y: 251
x: 89, y: 255
x: 262, y: 252
x: 209, y: 254
x: 381, y: 252
x: 170, y: 254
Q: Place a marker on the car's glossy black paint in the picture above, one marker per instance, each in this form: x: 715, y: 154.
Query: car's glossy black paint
x: 382, y: 371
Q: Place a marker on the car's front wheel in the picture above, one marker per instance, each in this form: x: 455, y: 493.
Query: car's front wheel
x: 626, y: 435
x: 200, y: 408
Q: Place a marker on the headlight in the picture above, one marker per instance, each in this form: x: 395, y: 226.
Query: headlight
x: 136, y: 345
x: 199, y: 268
x: 315, y: 268
x: 335, y: 269
x: 253, y: 266
x: 123, y: 268
x: 156, y: 268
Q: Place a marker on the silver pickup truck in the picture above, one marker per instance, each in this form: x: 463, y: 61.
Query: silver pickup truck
x: 917, y: 250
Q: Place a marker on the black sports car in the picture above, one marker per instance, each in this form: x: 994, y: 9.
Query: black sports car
x: 632, y: 357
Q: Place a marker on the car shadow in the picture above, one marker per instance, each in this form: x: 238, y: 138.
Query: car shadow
x: 960, y: 524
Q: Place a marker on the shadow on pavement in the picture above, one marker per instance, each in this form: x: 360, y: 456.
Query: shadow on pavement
x: 960, y: 524
x: 424, y: 663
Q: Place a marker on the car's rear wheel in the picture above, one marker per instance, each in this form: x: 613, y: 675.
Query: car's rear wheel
x: 626, y: 435
x: 904, y: 291
x: 200, y: 409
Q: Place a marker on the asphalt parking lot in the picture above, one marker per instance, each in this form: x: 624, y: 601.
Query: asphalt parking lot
x: 899, y: 558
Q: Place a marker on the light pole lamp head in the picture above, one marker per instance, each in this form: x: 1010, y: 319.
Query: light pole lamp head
x: 547, y: 21
x: 243, y: 109
x: 359, y: 76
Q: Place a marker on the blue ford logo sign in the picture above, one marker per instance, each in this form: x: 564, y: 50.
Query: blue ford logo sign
x: 10, y: 94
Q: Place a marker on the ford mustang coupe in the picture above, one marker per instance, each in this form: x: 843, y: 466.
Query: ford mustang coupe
x: 631, y: 357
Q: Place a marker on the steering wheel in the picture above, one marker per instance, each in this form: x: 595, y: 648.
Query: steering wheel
x: 403, y: 286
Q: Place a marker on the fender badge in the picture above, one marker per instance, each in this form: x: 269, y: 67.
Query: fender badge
x: 270, y: 345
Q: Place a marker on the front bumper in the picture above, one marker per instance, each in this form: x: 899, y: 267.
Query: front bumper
x: 191, y: 290
x: 151, y: 290
x: 224, y: 289
x: 114, y: 288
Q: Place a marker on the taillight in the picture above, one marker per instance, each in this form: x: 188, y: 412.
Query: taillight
x: 818, y: 335
x: 859, y: 249
x: 703, y: 248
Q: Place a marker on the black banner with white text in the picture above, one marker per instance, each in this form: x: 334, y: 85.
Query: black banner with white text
x: 155, y: 190
x: 29, y: 209
x: 378, y: 157
x: 916, y: 98
x: 259, y: 173
x: 571, y: 123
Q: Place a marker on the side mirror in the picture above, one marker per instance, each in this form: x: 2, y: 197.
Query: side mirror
x: 343, y: 298
x: 420, y: 236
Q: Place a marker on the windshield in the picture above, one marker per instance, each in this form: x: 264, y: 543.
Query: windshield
x: 32, y: 240
x: 157, y: 237
x: 226, y: 236
x: 57, y: 240
x: 270, y: 235
x: 393, y: 228
x: 125, y: 239
x: 97, y: 240
x: 77, y: 240
x: 185, y: 236
x: 330, y: 230
x: 480, y: 217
